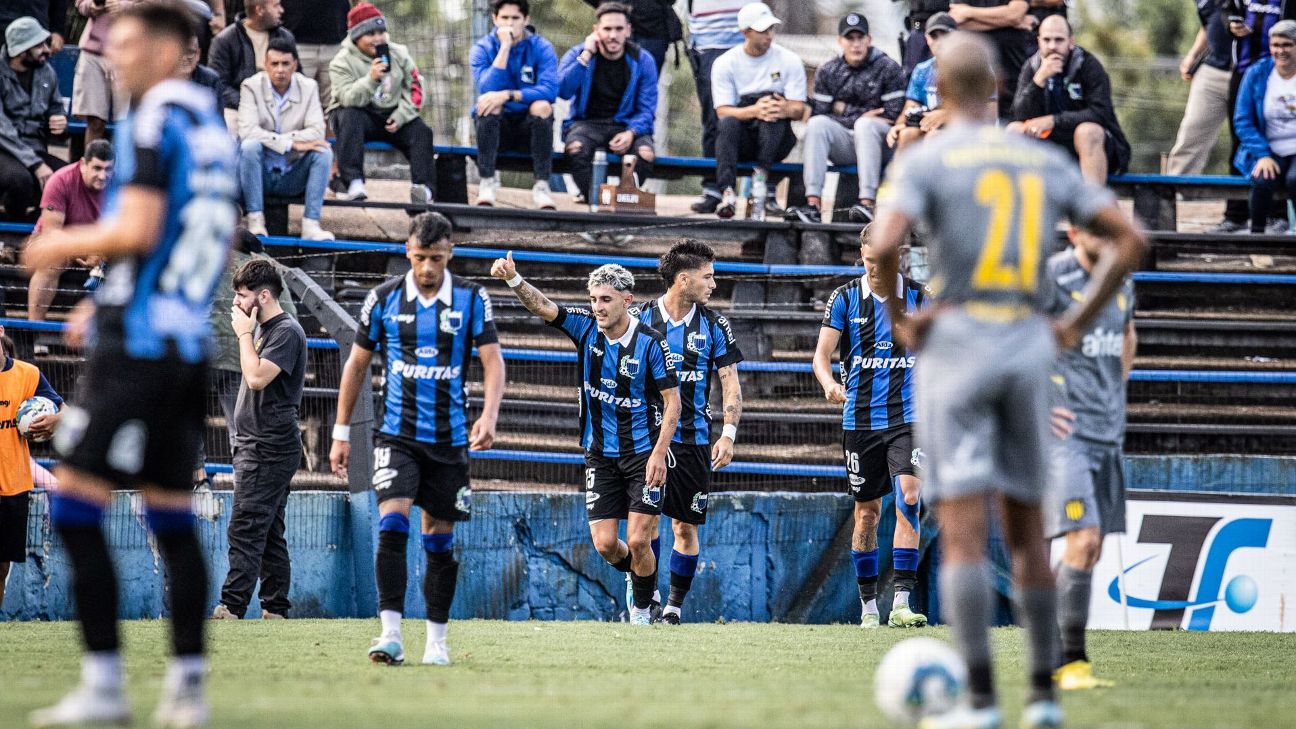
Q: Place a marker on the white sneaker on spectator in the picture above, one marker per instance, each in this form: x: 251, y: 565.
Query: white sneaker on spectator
x: 311, y: 230
x: 540, y: 196
x: 355, y: 191
x: 488, y: 190
x: 255, y: 223
x: 420, y: 195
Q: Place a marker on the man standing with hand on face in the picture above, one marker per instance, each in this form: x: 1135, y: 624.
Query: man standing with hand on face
x: 267, y: 442
x: 629, y: 407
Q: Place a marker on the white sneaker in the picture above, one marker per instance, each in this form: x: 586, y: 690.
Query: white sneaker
x: 964, y: 717
x: 640, y: 617
x: 355, y: 192
x: 311, y: 230
x: 387, y: 649
x: 488, y: 190
x: 255, y: 223
x: 420, y: 195
x: 437, y: 653
x: 183, y: 706
x: 85, y: 706
x: 540, y: 196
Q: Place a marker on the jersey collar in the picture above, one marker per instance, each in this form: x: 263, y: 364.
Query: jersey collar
x: 865, y: 284
x: 625, y: 338
x: 445, y: 295
x: 688, y: 318
x: 8, y: 363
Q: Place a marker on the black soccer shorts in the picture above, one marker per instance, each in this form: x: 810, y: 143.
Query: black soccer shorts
x: 435, y: 477
x: 614, y: 487
x: 138, y: 422
x: 875, y: 457
x: 688, y: 483
x: 13, y: 527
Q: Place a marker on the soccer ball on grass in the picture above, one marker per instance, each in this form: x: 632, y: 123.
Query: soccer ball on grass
x: 919, y: 677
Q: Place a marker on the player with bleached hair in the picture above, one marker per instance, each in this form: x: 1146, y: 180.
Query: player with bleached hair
x: 985, y: 352
x: 630, y: 406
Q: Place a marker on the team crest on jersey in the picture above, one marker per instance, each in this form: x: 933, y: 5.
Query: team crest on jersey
x: 699, y: 503
x: 917, y: 459
x: 697, y: 342
x: 651, y: 495
x: 629, y: 366
x: 1075, y: 509
x: 463, y: 500
x: 451, y: 321
x: 528, y: 75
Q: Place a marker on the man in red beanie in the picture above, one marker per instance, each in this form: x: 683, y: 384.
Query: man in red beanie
x: 376, y: 96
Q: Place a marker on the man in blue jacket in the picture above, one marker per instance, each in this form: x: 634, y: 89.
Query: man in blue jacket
x: 516, y: 72
x: 612, y: 84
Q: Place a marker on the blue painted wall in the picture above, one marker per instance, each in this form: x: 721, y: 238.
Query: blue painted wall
x: 528, y: 556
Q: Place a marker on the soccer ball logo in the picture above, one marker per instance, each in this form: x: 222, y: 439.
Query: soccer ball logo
x: 463, y: 500
x: 699, y: 503
x: 651, y: 495
x: 697, y: 342
x: 918, y: 459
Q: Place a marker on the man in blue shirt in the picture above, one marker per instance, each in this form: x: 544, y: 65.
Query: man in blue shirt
x: 516, y: 72
x: 922, y: 101
x: 426, y: 324
x: 876, y: 393
x: 702, y: 345
x: 166, y: 233
x: 630, y: 406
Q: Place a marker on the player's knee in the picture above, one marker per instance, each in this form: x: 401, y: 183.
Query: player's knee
x: 541, y: 108
x: 639, y: 541
x: 686, y: 535
x: 1084, y: 548
x: 646, y: 153
x: 866, y: 516
x: 250, y: 147
x: 608, y: 546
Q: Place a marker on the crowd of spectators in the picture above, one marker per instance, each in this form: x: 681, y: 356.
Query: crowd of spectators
x: 289, y: 75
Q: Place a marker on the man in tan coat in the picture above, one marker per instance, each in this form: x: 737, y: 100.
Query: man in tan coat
x: 283, y: 152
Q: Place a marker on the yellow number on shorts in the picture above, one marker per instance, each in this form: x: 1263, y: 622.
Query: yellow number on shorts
x: 994, y: 190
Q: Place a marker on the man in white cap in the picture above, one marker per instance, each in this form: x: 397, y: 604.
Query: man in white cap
x: 31, y: 111
x: 758, y: 88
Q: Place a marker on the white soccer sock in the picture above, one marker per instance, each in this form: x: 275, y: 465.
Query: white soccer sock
x: 391, y: 622
x: 901, y: 598
x: 183, y: 668
x: 870, y: 607
x: 102, y: 670
x: 436, y: 632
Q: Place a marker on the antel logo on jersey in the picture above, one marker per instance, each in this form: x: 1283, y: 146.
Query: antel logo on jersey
x: 400, y: 368
x: 881, y: 363
x: 610, y: 399
x: 1102, y: 343
x: 1187, y: 537
x: 428, y: 352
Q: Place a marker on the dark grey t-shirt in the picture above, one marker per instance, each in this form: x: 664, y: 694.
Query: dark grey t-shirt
x: 266, y: 419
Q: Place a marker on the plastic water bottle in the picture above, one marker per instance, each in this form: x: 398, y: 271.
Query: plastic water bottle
x: 598, y: 178
x: 758, y: 194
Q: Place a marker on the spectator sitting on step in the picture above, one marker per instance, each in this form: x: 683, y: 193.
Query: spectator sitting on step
x: 857, y: 97
x: 283, y: 151
x: 612, y: 85
x: 319, y: 27
x: 239, y: 50
x: 1265, y: 119
x: 191, y: 70
x: 31, y: 111
x: 1064, y: 95
x: 73, y: 196
x: 758, y: 88
x: 922, y: 102
x: 377, y: 96
x: 516, y: 73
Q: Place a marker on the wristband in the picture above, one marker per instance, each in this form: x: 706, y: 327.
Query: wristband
x: 342, y: 433
x: 730, y: 431
x: 514, y: 282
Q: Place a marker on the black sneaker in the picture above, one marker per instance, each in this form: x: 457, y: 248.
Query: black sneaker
x: 670, y: 618
x: 860, y: 213
x: 706, y: 204
x: 655, y: 611
x: 772, y: 208
x: 804, y: 213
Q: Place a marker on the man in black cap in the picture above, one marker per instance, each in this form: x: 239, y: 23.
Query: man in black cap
x: 856, y: 98
x: 922, y: 114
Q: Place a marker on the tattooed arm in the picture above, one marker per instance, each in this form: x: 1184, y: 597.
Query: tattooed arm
x: 731, y: 389
x: 536, y: 302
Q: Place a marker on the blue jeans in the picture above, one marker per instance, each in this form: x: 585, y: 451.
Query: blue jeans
x: 308, y: 175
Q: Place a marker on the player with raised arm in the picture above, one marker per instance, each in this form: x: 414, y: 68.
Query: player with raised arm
x: 166, y: 234
x: 630, y: 405
x: 702, y: 345
x: 876, y: 392
x: 425, y: 324
x: 992, y: 202
x: 1087, y: 498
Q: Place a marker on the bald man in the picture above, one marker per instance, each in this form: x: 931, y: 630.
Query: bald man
x: 986, y: 352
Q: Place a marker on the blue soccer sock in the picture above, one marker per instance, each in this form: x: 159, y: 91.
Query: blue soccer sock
x: 904, y: 561
x: 682, y: 569
x: 866, y: 576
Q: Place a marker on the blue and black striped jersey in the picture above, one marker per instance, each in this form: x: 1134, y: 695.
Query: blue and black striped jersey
x: 876, y: 371
x: 621, y: 383
x: 427, y: 343
x: 699, y: 345
x: 158, y: 304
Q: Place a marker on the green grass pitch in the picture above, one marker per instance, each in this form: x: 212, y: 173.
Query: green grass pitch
x: 314, y: 674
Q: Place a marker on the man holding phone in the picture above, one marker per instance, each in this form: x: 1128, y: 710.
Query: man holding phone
x: 377, y: 94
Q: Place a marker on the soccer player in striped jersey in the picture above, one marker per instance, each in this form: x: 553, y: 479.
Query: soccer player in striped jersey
x: 630, y: 405
x: 876, y: 393
x: 426, y: 324
x: 702, y: 345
